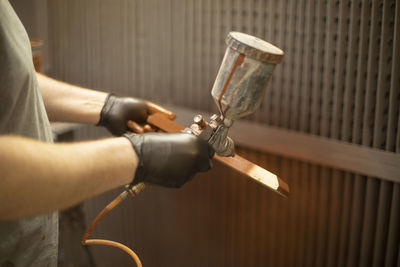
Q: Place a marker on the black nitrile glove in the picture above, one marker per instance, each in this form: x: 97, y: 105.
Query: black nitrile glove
x: 169, y: 159
x: 118, y: 111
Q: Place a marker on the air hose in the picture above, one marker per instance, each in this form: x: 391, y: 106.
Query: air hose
x: 129, y: 191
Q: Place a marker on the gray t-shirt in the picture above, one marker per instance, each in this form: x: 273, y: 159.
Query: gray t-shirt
x: 30, y: 241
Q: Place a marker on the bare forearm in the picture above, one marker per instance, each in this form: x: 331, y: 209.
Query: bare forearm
x: 69, y: 103
x: 36, y: 177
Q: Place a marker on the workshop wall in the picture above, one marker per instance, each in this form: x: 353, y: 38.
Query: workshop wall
x: 339, y: 79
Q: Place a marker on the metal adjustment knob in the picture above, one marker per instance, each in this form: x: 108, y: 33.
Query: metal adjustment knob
x: 199, y: 120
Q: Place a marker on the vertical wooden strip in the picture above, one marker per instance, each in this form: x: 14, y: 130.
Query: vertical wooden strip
x: 383, y: 219
x: 125, y: 51
x: 340, y: 68
x: 297, y: 83
x: 392, y: 253
x: 99, y: 58
x: 199, y: 42
x: 322, y: 215
x: 146, y: 49
x: 341, y: 35
x: 279, y: 25
x: 235, y: 187
x: 338, y: 257
x: 363, y: 56
x: 283, y: 230
x: 357, y: 215
x: 334, y: 218
x: 53, y: 55
x: 351, y: 71
x: 369, y: 224
x: 359, y: 185
x: 303, y: 190
x: 392, y: 256
x: 133, y: 41
x: 379, y: 136
x: 248, y: 18
x: 271, y: 9
x: 153, y: 54
x: 371, y: 85
x: 345, y: 221
x: 293, y: 209
x: 271, y: 248
x: 394, y: 96
x: 287, y: 87
x: 312, y: 220
x: 87, y: 40
x: 328, y: 68
x: 317, y: 70
x: 229, y: 17
x: 244, y: 219
x: 383, y: 83
x: 327, y: 86
x: 163, y: 70
x: 282, y: 82
x: 210, y: 52
x: 191, y: 58
x: 306, y: 68
x: 225, y: 223
x: 265, y: 221
x: 181, y: 48
x: 141, y: 45
x: 63, y: 40
x: 218, y: 37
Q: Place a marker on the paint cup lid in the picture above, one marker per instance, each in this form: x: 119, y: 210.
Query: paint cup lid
x: 254, y: 47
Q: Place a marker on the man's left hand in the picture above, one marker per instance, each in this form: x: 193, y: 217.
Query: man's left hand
x: 120, y: 112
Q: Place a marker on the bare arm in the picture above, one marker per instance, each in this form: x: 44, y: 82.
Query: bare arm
x: 37, y: 177
x: 70, y: 103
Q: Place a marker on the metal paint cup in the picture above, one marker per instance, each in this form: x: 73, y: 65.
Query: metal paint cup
x: 244, y: 74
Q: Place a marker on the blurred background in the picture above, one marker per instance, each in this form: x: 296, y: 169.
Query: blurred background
x: 338, y: 84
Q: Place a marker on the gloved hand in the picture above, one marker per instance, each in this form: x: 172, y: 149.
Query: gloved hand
x: 169, y: 159
x: 118, y: 111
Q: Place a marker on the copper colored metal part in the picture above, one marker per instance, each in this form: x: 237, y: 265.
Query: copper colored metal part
x: 154, y: 109
x: 162, y: 122
x: 134, y: 127
x: 257, y: 173
x: 147, y: 128
x: 237, y: 163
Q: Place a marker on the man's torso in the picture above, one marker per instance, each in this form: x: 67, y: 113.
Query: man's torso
x: 31, y: 241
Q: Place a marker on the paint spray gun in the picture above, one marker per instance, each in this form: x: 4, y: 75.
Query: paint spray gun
x: 238, y: 89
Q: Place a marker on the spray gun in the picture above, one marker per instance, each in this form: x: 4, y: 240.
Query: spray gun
x: 238, y: 89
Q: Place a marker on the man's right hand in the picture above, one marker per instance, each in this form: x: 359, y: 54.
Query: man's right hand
x: 170, y: 159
